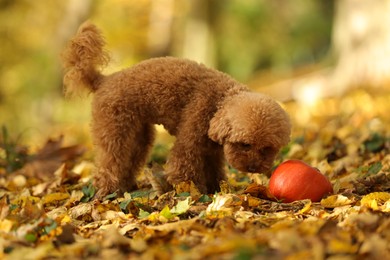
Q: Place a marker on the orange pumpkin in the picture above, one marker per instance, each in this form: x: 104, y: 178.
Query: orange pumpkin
x: 295, y: 180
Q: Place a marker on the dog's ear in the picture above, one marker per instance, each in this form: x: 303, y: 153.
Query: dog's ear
x: 220, y: 127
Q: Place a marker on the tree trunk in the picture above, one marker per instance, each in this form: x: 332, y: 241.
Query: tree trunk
x: 361, y: 41
x: 196, y: 40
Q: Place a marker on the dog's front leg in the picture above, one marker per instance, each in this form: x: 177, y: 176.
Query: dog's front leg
x: 186, y: 163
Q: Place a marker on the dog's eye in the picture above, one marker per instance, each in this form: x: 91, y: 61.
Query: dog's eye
x: 266, y: 150
x: 244, y: 146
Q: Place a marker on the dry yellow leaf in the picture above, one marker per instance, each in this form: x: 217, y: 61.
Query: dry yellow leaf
x: 223, y: 205
x: 80, y: 210
x: 337, y: 246
x: 6, y: 225
x: 386, y: 206
x: 253, y: 202
x: 306, y: 207
x: 334, y: 201
x: 376, y: 200
x: 54, y: 197
x: 66, y: 219
x: 23, y: 199
x: 242, y: 221
x: 19, y: 181
x: 84, y: 169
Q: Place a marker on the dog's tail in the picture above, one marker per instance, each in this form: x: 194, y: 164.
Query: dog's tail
x: 83, y: 58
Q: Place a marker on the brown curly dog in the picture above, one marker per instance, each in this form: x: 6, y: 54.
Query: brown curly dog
x: 211, y: 115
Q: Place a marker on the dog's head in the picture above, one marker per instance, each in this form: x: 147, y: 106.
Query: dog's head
x: 252, y: 128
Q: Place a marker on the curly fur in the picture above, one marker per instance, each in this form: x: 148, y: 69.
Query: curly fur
x: 83, y: 58
x: 211, y: 115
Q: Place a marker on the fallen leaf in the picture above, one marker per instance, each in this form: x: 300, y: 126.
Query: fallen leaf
x: 157, y: 178
x: 337, y: 200
x: 224, y: 205
x: 338, y: 246
x: 66, y: 235
x: 55, y: 197
x: 375, y: 200
x: 374, y: 247
x: 181, y: 206
x: 188, y: 187
x: 53, y: 214
x: 259, y: 191
x: 6, y: 225
x: 49, y: 158
x: 80, y: 210
x: 166, y: 214
x: 306, y: 207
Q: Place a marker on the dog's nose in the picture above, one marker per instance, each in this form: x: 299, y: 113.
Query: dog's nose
x: 251, y: 168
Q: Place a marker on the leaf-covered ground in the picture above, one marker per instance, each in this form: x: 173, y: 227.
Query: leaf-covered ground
x: 47, y: 208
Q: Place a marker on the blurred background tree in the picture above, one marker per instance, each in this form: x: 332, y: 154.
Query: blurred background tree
x: 361, y: 42
x: 359, y: 56
x: 256, y: 41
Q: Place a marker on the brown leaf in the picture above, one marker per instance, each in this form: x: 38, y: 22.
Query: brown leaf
x: 66, y: 236
x: 188, y: 187
x: 259, y: 191
x: 30, y: 211
x: 157, y: 178
x: 50, y: 157
x: 4, y: 207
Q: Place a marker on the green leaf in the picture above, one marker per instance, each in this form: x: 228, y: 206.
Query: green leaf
x: 88, y: 191
x: 123, y: 205
x: 184, y: 194
x: 13, y: 206
x: 374, y: 168
x: 111, y: 196
x: 205, y: 199
x: 166, y: 213
x: 159, y: 153
x: 182, y: 206
x: 31, y: 237
x: 12, y: 155
x: 285, y: 150
x: 370, y: 170
x: 53, y: 225
x: 139, y: 194
x: 375, y: 143
x: 143, y: 214
x: 244, y: 254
